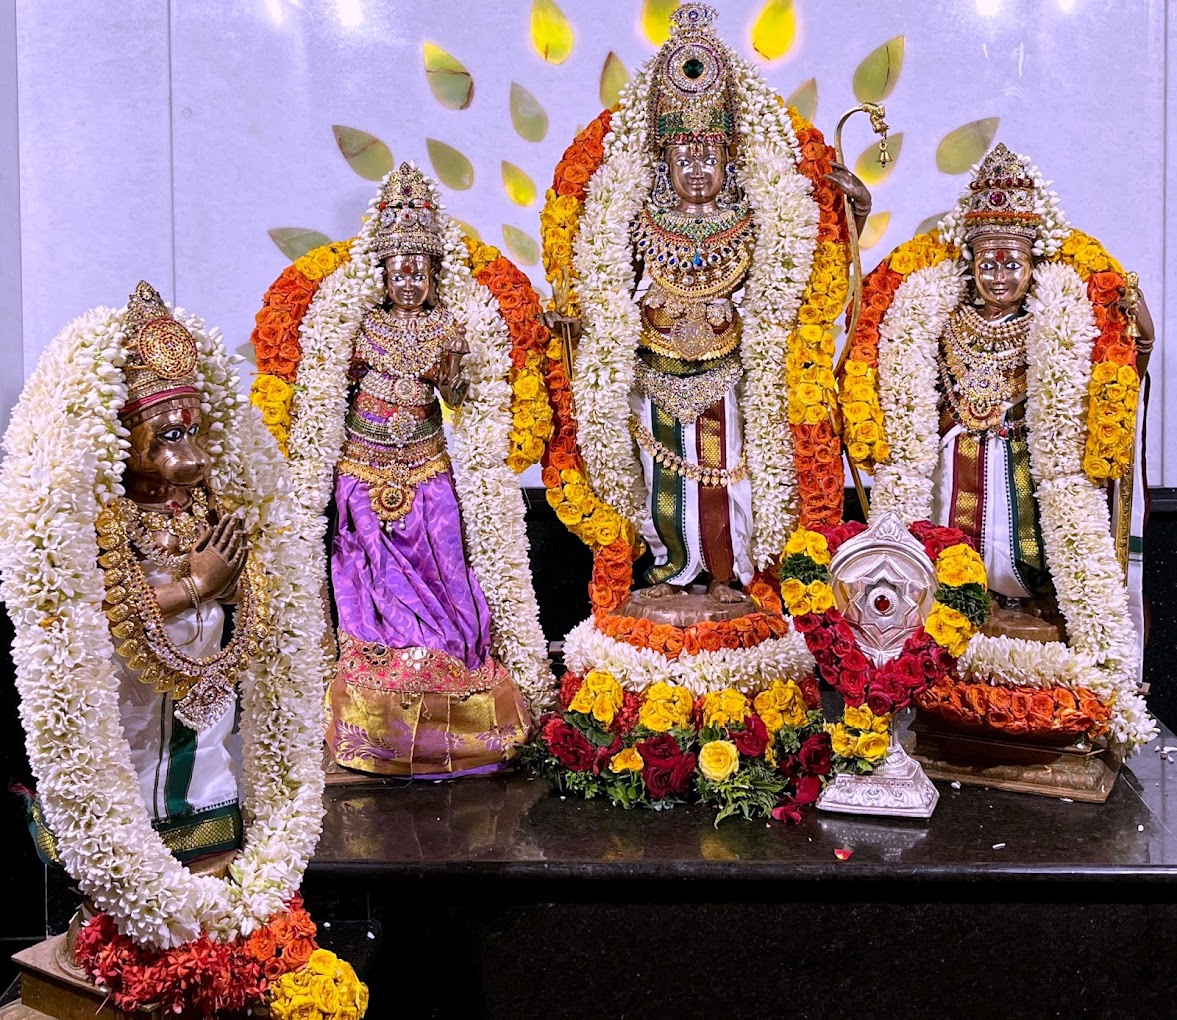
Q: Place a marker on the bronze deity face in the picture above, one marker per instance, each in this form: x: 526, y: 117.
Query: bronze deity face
x: 697, y: 171
x: 1002, y: 269
x: 408, y: 280
x: 167, y: 452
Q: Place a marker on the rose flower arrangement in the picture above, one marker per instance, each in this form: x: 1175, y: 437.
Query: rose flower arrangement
x: 756, y: 757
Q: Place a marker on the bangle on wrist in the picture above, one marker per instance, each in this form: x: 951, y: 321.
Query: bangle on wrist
x: 191, y: 591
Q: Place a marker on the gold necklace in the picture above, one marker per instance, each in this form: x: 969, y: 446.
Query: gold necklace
x: 404, y: 346
x: 137, y: 624
x: 185, y: 525
x: 678, y: 465
x: 983, y: 368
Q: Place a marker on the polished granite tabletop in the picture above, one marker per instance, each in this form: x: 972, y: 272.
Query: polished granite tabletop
x: 515, y: 826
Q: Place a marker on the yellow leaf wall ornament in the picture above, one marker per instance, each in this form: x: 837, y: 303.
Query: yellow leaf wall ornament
x: 656, y: 19
x: 960, y: 149
x: 527, y: 115
x: 519, y: 187
x: 551, y: 32
x: 295, y: 242
x: 867, y: 165
x: 878, y: 74
x: 523, y: 248
x: 452, y: 168
x: 874, y: 229
x: 775, y: 29
x: 451, y: 83
x: 804, y: 98
x: 614, y: 77
x: 365, y: 154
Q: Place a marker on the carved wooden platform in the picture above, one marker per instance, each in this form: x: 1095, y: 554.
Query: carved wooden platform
x: 1077, y: 772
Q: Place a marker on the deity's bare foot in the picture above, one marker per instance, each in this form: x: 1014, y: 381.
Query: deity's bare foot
x: 721, y: 592
x: 659, y: 591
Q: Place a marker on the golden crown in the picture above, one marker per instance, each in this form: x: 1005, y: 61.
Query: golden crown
x: 407, y: 216
x: 1002, y: 198
x: 161, y: 353
x: 690, y: 99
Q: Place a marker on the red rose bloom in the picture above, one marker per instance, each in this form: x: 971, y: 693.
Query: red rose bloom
x: 806, y: 623
x: 604, y: 754
x: 788, y: 810
x: 879, y: 703
x: 753, y: 738
x: 815, y: 754
x: 810, y: 691
x: 808, y: 790
x: 667, y: 770
x: 568, y: 745
x: 819, y: 640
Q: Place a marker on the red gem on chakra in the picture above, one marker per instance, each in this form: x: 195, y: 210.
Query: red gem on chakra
x: 997, y: 198
x: 882, y: 603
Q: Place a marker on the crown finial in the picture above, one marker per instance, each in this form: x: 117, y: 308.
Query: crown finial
x: 693, y: 15
x: 1002, y: 197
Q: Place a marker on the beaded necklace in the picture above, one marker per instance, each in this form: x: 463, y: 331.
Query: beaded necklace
x: 404, y: 346
x: 983, y: 368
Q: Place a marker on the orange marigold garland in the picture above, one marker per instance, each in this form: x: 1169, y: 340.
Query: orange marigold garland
x: 1114, y: 389
x: 863, y: 429
x: 531, y: 411
x: 275, y: 333
x: 809, y: 368
x: 1045, y: 713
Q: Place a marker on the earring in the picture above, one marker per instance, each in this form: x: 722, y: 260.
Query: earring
x: 730, y: 195
x: 662, y: 194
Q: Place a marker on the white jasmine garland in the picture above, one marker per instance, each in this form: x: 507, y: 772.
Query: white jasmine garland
x: 746, y: 669
x: 65, y: 449
x: 909, y: 338
x: 786, y: 217
x: 1076, y: 531
x: 490, y: 498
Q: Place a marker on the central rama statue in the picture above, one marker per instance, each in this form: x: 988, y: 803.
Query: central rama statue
x: 694, y: 253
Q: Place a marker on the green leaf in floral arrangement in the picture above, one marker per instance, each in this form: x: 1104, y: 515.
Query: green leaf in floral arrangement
x: 867, y: 166
x: 878, y: 73
x: 804, y: 98
x: 448, y: 78
x: 960, y: 149
x: 874, y: 229
x: 519, y: 187
x: 522, y: 247
x: 470, y: 231
x: 775, y: 29
x: 527, y: 115
x: 365, y: 153
x: 613, y: 79
x: 295, y: 242
x: 551, y: 33
x: 248, y: 352
x: 656, y: 19
x: 930, y: 223
x: 452, y: 168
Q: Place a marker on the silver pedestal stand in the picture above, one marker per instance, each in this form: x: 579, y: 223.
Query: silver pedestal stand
x: 897, y: 788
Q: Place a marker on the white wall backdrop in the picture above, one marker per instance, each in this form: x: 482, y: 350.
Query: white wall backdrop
x: 163, y: 139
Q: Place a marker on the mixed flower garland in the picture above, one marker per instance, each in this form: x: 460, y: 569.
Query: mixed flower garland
x: 276, y: 964
x: 1081, y: 413
x: 960, y: 607
x: 65, y: 461
x: 480, y: 443
x: 757, y: 757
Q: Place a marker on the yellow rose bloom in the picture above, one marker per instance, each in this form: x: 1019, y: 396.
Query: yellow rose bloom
x: 808, y: 393
x: 815, y: 414
x: 820, y: 596
x: 858, y: 451
x: 871, y: 746
x: 856, y: 369
x: 604, y: 710
x: 810, y: 334
x: 583, y: 700
x: 881, y: 724
x: 882, y: 451
x: 626, y: 761
x: 1096, y: 467
x: 608, y: 531
x: 527, y: 385
x: 722, y: 707
x: 1126, y: 376
x: 656, y: 716
x: 568, y: 514
x: 859, y: 718
x: 1104, y: 372
x: 857, y: 411
x: 772, y: 719
x: 843, y: 743
x: 718, y: 759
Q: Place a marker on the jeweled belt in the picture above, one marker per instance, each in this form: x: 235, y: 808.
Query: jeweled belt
x: 687, y: 396
x: 414, y: 670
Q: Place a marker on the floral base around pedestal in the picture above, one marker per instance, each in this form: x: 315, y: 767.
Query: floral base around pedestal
x: 897, y: 788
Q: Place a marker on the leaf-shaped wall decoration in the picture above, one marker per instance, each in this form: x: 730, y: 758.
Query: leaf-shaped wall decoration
x: 775, y: 29
x: 467, y: 229
x: 448, y: 78
x: 519, y: 187
x: 249, y: 353
x: 878, y: 74
x: 867, y: 165
x: 527, y: 115
x: 960, y: 149
x: 365, y: 153
x: 452, y: 168
x: 930, y: 222
x: 656, y: 19
x: 295, y: 242
x: 523, y: 247
x: 874, y: 229
x: 613, y: 79
x: 551, y: 33
x: 804, y: 98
